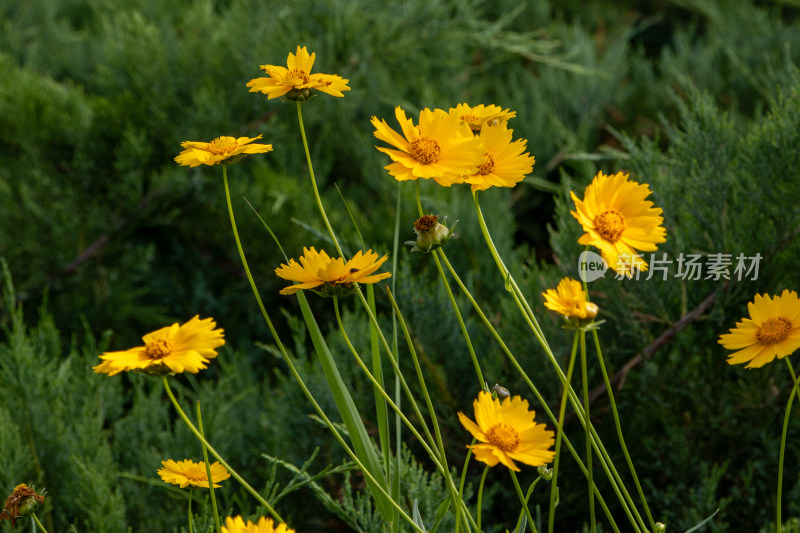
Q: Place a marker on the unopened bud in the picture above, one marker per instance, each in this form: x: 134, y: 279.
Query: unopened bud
x: 546, y: 473
x: 660, y: 527
x: 501, y: 392
x: 430, y: 234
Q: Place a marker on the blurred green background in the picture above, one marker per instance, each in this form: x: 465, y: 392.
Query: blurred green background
x: 104, y: 238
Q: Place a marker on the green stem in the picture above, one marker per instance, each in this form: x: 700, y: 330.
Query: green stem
x: 208, y: 470
x: 527, y: 498
x: 618, y: 425
x: 585, y: 379
x: 214, y: 452
x: 795, y: 390
x: 190, y: 508
x: 559, y: 434
x: 479, y: 504
x: 314, y: 181
x: 38, y: 523
x: 523, y: 501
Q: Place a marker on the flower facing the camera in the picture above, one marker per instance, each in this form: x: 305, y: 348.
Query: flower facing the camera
x: 174, y: 349
x: 506, y: 432
x: 773, y: 330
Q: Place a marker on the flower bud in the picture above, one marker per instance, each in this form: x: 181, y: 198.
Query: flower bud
x: 501, y: 391
x: 660, y: 527
x: 546, y: 473
x: 430, y: 234
x: 22, y: 502
x: 299, y: 95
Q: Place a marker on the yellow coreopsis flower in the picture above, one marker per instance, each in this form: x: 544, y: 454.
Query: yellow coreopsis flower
x: 186, y: 472
x: 220, y: 151
x: 295, y: 81
x: 331, y: 276
x: 441, y: 147
x: 507, y: 432
x: 619, y: 221
x: 477, y: 116
x: 504, y: 163
x: 176, y: 348
x: 569, y: 299
x: 773, y: 330
x: 264, y: 525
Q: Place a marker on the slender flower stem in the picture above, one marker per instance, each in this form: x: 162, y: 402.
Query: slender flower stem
x: 314, y: 181
x: 479, y: 503
x: 214, y: 452
x: 559, y: 434
x: 208, y: 470
x: 585, y: 379
x: 527, y: 498
x: 795, y: 390
x: 190, y: 507
x: 523, y: 500
x: 38, y: 523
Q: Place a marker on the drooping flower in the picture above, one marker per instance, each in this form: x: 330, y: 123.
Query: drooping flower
x: 264, y: 525
x: 619, y: 221
x: 504, y: 163
x: 331, y: 276
x: 187, y: 472
x: 176, y: 348
x: 220, y: 151
x: 295, y: 81
x: 441, y: 147
x: 477, y: 116
x: 22, y: 502
x: 569, y: 299
x: 507, y: 432
x: 773, y: 330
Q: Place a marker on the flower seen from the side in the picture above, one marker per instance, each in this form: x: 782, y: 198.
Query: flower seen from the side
x: 440, y: 147
x: 477, y: 116
x: 331, y: 276
x: 22, y: 502
x: 173, y: 349
x: 569, y: 300
x: 220, y: 151
x: 507, y: 432
x: 185, y: 473
x: 773, y: 330
x: 505, y: 163
x: 264, y: 525
x: 295, y: 81
x: 619, y: 221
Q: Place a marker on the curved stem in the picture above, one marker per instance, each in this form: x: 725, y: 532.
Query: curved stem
x: 314, y: 181
x: 214, y: 452
x: 795, y: 390
x: 208, y: 471
x: 560, y: 432
x: 38, y: 523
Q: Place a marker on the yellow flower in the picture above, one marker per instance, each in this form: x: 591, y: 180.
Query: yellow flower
x: 619, y: 221
x: 441, y: 147
x: 317, y: 268
x: 296, y: 82
x: 507, y: 432
x: 22, y: 502
x: 504, y: 164
x: 175, y: 348
x: 475, y: 117
x: 569, y: 299
x: 264, y: 525
x: 186, y: 472
x: 222, y: 150
x: 773, y: 330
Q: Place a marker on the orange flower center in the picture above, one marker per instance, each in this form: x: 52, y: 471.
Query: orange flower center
x: 296, y: 77
x: 222, y: 145
x: 487, y: 166
x: 469, y: 118
x: 196, y: 476
x: 504, y: 437
x: 425, y: 150
x: 610, y: 225
x: 773, y: 330
x: 158, y: 348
